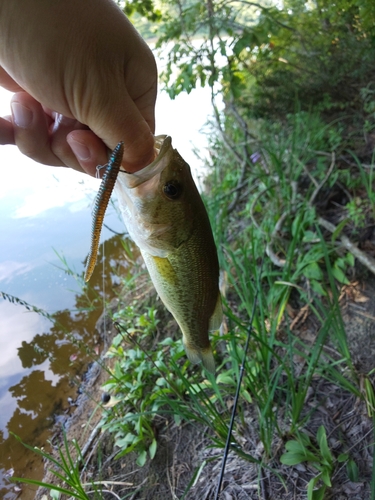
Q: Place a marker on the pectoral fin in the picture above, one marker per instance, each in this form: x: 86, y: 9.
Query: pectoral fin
x: 165, y: 269
x: 217, y: 316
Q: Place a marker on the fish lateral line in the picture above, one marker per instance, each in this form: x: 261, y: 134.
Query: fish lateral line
x: 109, y: 178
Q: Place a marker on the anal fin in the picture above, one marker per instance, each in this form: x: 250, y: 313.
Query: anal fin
x: 217, y: 316
x: 203, y: 356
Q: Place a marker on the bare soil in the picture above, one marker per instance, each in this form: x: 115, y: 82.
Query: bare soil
x: 183, y: 449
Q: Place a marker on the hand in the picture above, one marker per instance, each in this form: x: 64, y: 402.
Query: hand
x: 84, y: 80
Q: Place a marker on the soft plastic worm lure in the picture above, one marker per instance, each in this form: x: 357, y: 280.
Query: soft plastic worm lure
x: 101, y: 202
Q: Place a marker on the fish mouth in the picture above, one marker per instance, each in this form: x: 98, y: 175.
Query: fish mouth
x: 159, y: 142
x: 164, y: 150
x: 135, y: 191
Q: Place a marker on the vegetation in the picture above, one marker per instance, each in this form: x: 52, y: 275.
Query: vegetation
x: 291, y: 193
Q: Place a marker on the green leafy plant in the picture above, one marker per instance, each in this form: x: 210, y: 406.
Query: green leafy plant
x: 145, y: 384
x: 66, y: 470
x: 320, y: 457
x: 356, y: 212
x: 130, y: 385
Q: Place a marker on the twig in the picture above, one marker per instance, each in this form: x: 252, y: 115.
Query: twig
x: 273, y: 257
x: 105, y: 491
x: 254, y: 202
x: 265, y: 11
x: 306, y: 170
x: 226, y: 141
x: 139, y: 488
x: 94, y: 448
x: 233, y: 190
x: 240, y: 182
x: 365, y: 259
x: 106, y: 483
x: 271, y: 254
x: 301, y: 315
x: 242, y: 159
x: 363, y: 314
x: 343, y: 188
x: 91, y: 438
x: 319, y: 187
x: 245, y: 154
x: 262, y: 485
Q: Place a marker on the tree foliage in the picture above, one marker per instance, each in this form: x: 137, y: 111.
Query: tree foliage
x: 265, y: 55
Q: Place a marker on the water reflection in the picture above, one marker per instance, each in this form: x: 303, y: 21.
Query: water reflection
x: 51, y: 364
x: 44, y: 209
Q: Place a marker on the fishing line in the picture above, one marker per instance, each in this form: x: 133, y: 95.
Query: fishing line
x: 237, y: 396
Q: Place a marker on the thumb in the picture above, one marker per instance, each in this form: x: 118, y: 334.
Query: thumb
x: 126, y: 123
x: 123, y: 123
x: 113, y: 115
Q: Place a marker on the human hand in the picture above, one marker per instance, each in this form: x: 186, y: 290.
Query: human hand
x: 84, y: 80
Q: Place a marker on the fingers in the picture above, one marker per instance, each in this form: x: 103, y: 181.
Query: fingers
x: 89, y: 150
x: 126, y: 123
x: 6, y: 131
x: 51, y: 138
x: 58, y: 135
x: 31, y: 129
x: 104, y: 77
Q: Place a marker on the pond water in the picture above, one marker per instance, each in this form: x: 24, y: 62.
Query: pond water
x: 46, y: 221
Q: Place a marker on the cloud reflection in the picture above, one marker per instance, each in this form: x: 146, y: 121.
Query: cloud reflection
x: 9, y: 269
x: 71, y: 188
x: 15, y: 328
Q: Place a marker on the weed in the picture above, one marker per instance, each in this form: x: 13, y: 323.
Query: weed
x: 145, y: 384
x: 152, y: 382
x: 66, y: 471
x: 320, y: 457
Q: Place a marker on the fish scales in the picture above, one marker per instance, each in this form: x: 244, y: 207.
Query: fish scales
x: 165, y: 216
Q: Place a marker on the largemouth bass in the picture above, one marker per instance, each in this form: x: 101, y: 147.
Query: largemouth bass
x: 165, y: 216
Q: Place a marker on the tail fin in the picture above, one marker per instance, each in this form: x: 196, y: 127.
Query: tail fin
x: 204, y: 355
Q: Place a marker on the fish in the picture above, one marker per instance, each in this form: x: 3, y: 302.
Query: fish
x: 165, y: 216
x: 112, y: 169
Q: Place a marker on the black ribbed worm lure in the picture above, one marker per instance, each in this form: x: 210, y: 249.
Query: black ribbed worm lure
x: 101, y: 202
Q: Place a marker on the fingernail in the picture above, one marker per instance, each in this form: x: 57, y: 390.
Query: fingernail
x: 22, y: 116
x: 81, y: 151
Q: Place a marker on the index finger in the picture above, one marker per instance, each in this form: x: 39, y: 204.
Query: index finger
x: 6, y: 131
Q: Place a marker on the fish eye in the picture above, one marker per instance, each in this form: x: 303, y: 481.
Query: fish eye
x: 172, y: 190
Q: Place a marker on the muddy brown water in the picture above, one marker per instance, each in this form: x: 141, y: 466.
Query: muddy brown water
x: 39, y: 384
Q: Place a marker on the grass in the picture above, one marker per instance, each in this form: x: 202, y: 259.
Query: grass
x: 298, y: 282
x: 66, y: 470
